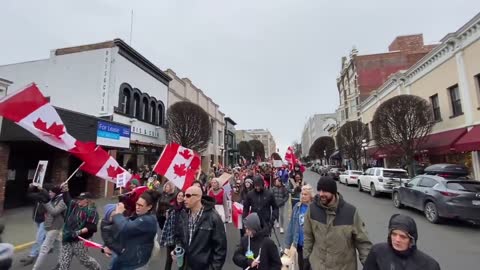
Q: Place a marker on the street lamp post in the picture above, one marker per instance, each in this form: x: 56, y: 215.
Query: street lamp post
x: 364, y: 148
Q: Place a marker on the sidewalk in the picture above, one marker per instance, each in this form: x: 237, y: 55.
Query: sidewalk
x: 20, y: 230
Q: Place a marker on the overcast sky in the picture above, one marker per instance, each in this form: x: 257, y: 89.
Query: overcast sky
x: 268, y: 64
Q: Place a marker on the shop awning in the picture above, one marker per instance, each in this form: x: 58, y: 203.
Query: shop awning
x: 470, y: 141
x: 379, y: 153
x: 443, y: 142
x: 336, y: 155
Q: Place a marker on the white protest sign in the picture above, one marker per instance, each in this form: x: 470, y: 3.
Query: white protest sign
x: 121, y: 180
x: 277, y: 163
x: 40, y: 173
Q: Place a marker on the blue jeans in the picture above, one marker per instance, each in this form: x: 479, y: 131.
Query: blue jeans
x: 41, y: 234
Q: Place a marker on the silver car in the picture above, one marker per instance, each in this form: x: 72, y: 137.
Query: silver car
x: 440, y: 197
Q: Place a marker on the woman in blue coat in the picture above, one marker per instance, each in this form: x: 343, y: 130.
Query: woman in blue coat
x: 294, y: 236
x: 137, y: 233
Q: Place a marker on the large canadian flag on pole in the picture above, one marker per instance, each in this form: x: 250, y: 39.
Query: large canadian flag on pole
x: 101, y: 164
x: 178, y: 164
x: 32, y: 111
x: 292, y: 159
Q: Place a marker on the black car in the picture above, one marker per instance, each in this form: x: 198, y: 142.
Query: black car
x: 439, y: 197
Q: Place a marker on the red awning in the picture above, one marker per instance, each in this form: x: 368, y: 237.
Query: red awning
x: 443, y: 142
x: 470, y: 141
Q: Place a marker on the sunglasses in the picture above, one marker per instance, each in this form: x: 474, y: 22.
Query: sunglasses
x: 188, y: 196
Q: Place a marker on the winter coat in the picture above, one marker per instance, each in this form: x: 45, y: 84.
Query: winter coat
x: 110, y: 233
x: 262, y: 203
x: 294, y: 228
x: 165, y: 203
x: 384, y: 257
x: 281, y: 195
x: 77, y: 218
x: 39, y: 197
x: 54, y: 218
x: 331, y: 235
x: 138, y: 234
x: 269, y: 257
x: 208, y: 248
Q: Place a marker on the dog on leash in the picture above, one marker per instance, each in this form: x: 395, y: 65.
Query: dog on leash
x: 289, y: 259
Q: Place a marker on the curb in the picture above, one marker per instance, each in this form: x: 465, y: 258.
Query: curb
x: 23, y: 246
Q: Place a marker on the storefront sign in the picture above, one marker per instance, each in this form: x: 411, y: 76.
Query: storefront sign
x: 150, y: 132
x: 109, y: 134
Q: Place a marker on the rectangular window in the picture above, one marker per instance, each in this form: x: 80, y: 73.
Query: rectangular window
x: 212, y: 123
x: 455, y: 100
x: 436, y: 108
x: 220, y: 138
x: 346, y: 113
x: 477, y: 82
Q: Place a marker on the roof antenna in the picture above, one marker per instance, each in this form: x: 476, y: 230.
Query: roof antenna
x: 131, y: 28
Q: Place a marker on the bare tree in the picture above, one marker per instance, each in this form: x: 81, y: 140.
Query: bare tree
x: 349, y: 140
x: 402, y: 124
x: 189, y: 125
x: 321, y: 146
x: 276, y: 156
x: 245, y: 149
x: 258, y: 149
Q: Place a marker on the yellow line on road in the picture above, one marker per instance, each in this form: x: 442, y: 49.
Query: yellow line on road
x: 24, y: 246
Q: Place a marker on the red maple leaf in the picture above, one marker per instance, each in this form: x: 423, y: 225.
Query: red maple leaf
x: 55, y: 129
x: 185, y: 154
x: 114, y: 171
x: 180, y: 170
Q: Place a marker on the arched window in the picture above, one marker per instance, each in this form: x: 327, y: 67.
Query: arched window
x: 145, y: 109
x: 153, y: 112
x: 161, y: 113
x: 136, y: 105
x: 125, y: 102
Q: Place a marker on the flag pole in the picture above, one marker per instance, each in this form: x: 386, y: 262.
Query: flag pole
x: 70, y: 177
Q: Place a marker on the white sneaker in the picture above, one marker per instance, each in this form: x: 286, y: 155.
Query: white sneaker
x: 281, y: 230
x: 277, y: 225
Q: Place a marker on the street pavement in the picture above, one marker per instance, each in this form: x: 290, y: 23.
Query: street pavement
x: 455, y: 245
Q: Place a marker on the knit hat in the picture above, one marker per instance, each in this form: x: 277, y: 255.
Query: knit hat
x: 252, y: 222
x: 108, y: 210
x: 248, y: 180
x: 258, y: 181
x: 135, y: 182
x: 327, y: 184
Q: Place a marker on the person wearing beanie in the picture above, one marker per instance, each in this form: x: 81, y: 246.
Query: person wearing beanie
x: 261, y: 201
x: 333, y: 224
x: 400, y: 251
x: 256, y: 250
x: 111, y: 244
x: 55, y: 209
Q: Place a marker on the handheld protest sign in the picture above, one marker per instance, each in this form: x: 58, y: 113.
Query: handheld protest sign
x: 40, y: 173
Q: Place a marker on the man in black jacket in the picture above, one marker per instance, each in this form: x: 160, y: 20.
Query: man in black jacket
x: 400, y: 252
x: 262, y: 202
x: 201, y: 233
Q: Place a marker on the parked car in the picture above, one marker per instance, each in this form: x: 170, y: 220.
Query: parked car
x: 381, y: 180
x: 335, y: 173
x: 349, y: 177
x: 440, y: 197
x: 447, y: 170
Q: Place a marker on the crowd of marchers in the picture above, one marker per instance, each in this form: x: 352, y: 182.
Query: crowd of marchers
x: 323, y: 231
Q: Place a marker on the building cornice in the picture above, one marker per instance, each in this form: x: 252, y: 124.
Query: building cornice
x: 449, y: 46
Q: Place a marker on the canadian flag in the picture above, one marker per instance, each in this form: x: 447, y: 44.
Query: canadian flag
x: 101, y: 164
x: 90, y: 244
x: 178, y: 164
x: 292, y: 159
x: 237, y: 211
x: 32, y: 111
